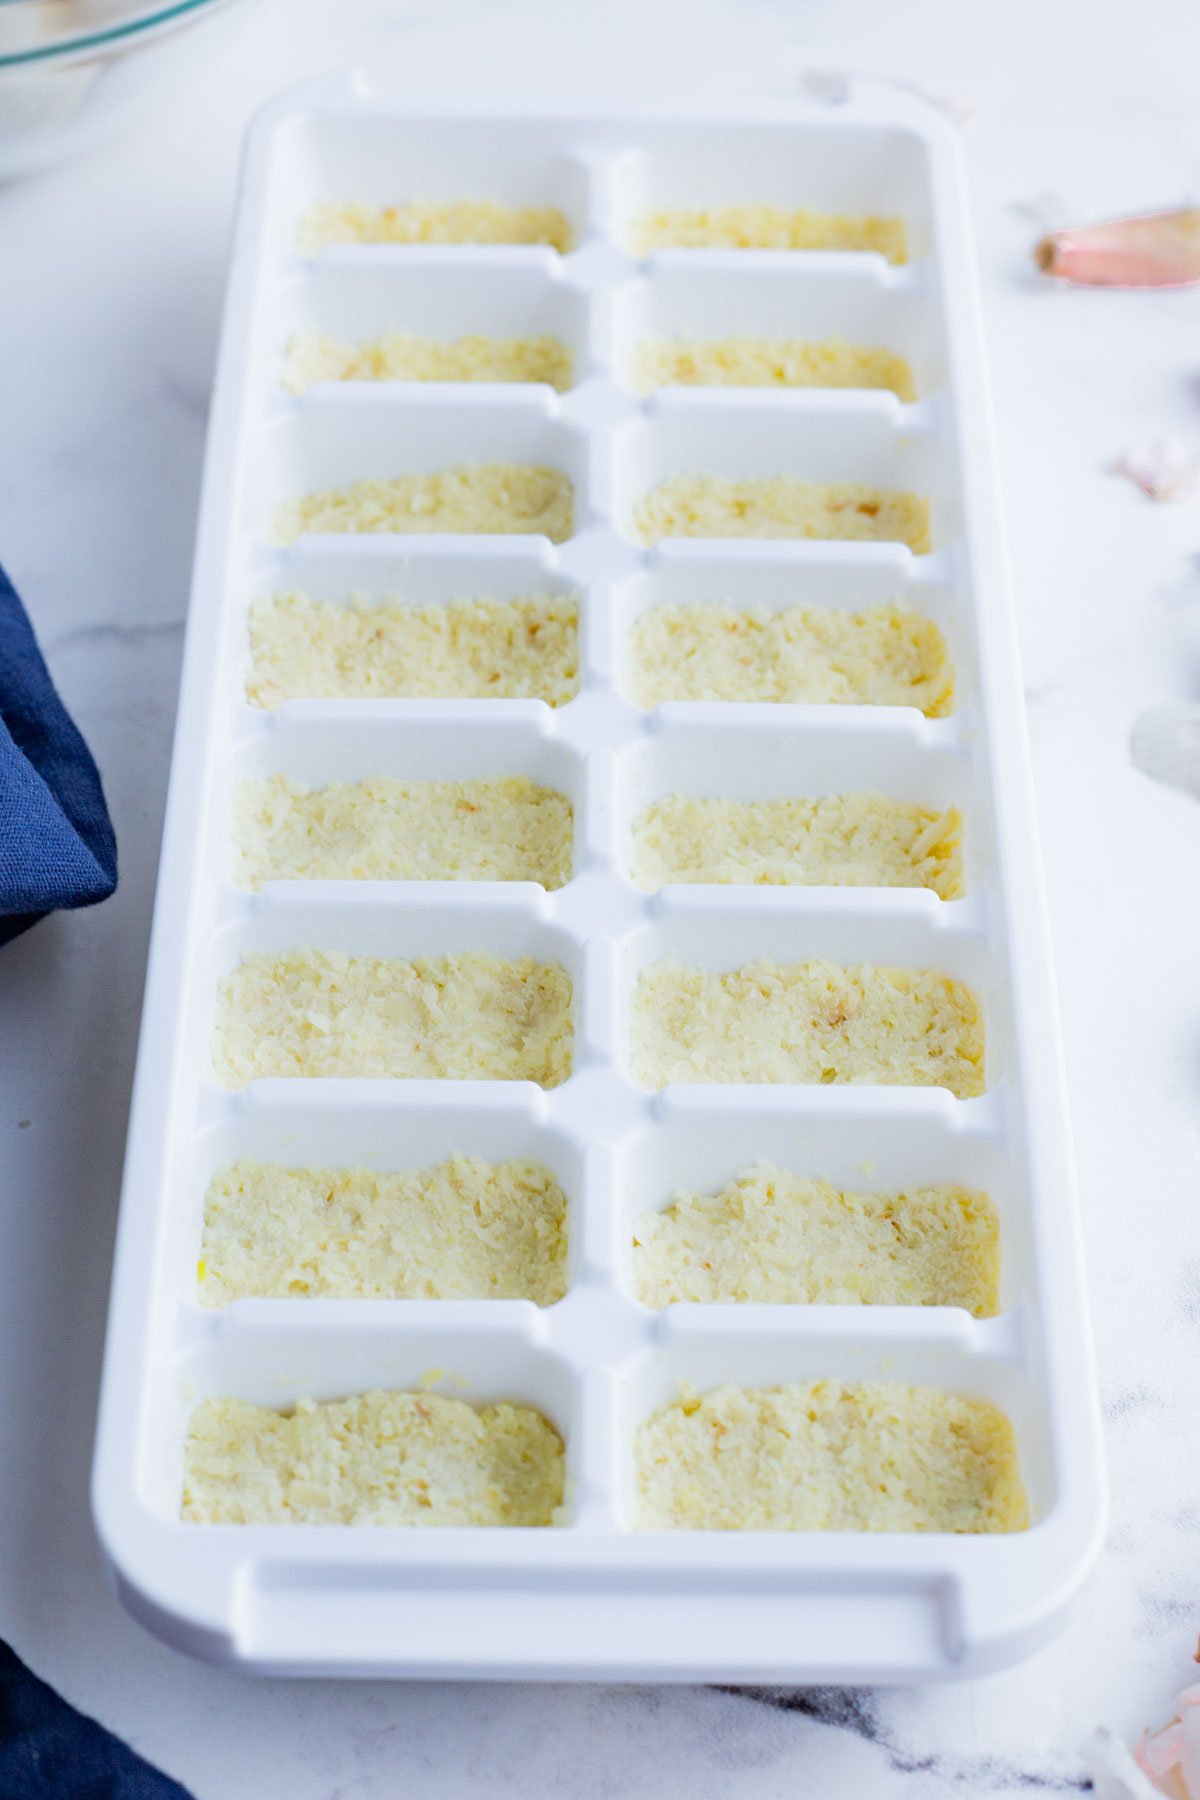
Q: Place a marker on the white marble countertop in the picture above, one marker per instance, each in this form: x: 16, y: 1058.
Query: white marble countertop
x: 113, y: 277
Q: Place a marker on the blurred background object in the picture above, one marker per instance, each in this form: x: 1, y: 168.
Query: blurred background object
x: 1147, y: 250
x: 72, y: 71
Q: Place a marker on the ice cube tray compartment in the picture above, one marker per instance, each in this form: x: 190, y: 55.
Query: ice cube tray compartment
x: 816, y: 435
x: 251, y: 1353
x: 978, y: 1359
x: 857, y: 300
x: 357, y: 432
x: 752, y: 758
x: 371, y: 570
x: 384, y: 567
x: 442, y: 301
x: 877, y: 171
x: 383, y: 161
x: 443, y: 747
x: 367, y: 1131
x: 595, y: 1598
x: 439, y: 747
x: 773, y: 577
x: 865, y: 1142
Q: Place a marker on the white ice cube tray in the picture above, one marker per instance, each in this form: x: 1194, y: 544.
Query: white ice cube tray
x: 597, y: 1598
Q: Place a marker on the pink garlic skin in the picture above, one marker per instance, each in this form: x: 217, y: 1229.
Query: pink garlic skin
x: 1170, y: 1758
x: 1151, y: 250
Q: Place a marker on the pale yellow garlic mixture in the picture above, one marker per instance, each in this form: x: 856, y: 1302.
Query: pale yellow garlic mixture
x: 771, y: 1237
x: 301, y: 648
x: 844, y: 840
x: 764, y: 227
x: 508, y: 829
x: 768, y: 362
x: 807, y: 1022
x: 464, y: 221
x: 828, y: 1456
x: 400, y: 356
x: 884, y: 656
x: 379, y: 1458
x: 465, y: 1229
x: 781, y: 506
x: 509, y: 499
x: 309, y: 1013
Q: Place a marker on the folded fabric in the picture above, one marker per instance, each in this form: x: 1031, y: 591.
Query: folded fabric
x: 48, y: 1751
x: 57, y: 846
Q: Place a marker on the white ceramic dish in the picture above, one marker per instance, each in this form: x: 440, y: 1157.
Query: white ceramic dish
x: 596, y: 1599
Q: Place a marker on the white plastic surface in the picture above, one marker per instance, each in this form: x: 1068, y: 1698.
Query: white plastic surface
x: 597, y: 1599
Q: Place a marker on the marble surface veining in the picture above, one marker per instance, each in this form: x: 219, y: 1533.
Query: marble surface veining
x: 113, y: 276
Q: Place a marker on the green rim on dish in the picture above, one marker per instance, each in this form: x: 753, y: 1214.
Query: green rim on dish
x: 149, y: 18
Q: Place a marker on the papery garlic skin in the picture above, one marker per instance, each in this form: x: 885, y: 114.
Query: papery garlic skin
x: 1149, y: 250
x: 1165, y: 471
x: 1170, y: 1758
x: 1115, y: 1775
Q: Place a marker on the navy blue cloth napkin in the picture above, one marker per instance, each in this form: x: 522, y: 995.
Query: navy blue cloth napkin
x: 56, y: 840
x: 48, y: 1751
